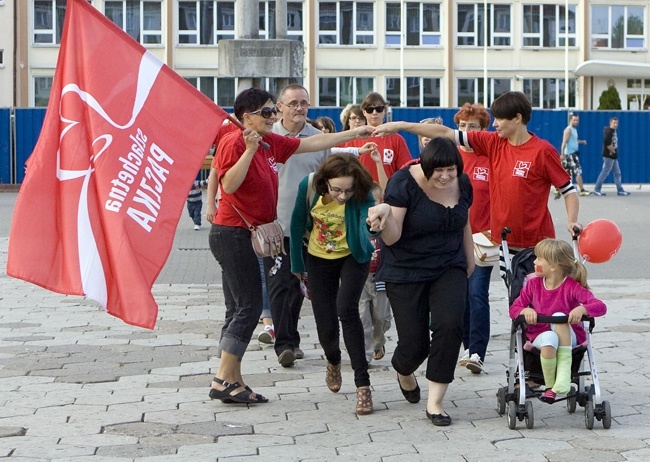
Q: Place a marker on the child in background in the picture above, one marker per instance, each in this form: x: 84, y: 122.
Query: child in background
x: 559, y: 289
x: 374, y: 307
x: 195, y: 202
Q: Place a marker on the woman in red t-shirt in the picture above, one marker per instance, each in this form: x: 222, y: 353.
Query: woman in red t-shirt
x: 247, y: 175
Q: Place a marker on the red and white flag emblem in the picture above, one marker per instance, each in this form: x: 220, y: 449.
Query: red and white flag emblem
x: 123, y: 139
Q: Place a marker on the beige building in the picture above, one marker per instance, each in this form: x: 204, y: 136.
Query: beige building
x: 417, y: 53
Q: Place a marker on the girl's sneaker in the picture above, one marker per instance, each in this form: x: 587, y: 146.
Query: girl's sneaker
x: 548, y: 396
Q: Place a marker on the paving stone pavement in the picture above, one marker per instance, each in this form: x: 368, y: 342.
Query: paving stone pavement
x: 79, y: 385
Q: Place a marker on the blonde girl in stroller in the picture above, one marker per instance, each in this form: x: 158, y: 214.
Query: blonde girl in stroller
x: 557, y: 288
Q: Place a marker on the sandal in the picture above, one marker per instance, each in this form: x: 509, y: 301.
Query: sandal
x: 244, y: 396
x: 333, y: 377
x: 364, y: 401
x: 378, y: 354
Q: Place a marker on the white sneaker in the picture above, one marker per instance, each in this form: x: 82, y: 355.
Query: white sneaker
x: 463, y: 359
x: 474, y: 364
x: 267, y: 335
x: 197, y: 227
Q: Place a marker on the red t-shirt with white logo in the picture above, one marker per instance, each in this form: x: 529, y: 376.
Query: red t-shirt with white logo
x: 257, y: 197
x: 519, y: 187
x: 393, y: 150
x: 478, y: 170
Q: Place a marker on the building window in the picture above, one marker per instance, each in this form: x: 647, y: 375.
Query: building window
x: 49, y: 16
x: 617, y: 27
x: 549, y: 93
x: 545, y: 26
x: 205, y: 22
x: 141, y: 19
x: 340, y: 91
x: 294, y: 20
x: 471, y: 90
x: 42, y: 89
x: 221, y: 90
x: 420, y: 91
x: 471, y: 21
x: 346, y: 23
x: 638, y: 94
x: 422, y: 24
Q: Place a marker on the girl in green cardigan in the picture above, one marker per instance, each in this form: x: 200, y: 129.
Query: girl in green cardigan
x: 331, y: 242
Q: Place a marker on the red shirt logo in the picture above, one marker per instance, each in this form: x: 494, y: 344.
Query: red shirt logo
x: 521, y: 169
x: 481, y: 173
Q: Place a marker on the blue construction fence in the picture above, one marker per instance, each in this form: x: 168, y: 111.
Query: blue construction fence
x: 20, y: 127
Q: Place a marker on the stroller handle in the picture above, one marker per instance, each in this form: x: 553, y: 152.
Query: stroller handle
x: 521, y: 321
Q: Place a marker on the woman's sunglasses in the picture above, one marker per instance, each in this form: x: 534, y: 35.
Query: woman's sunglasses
x: 266, y: 112
x: 371, y: 109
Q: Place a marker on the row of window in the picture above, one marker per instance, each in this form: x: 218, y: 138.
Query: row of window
x: 420, y: 91
x: 205, y: 22
x: 547, y: 93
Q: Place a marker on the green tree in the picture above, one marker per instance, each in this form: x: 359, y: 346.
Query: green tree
x: 609, y: 99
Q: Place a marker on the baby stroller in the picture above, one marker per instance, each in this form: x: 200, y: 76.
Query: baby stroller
x: 524, y: 374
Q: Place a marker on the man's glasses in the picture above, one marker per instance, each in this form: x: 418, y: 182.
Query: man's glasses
x: 466, y: 126
x: 296, y: 104
x: 266, y: 112
x: 339, y: 191
x: 371, y: 109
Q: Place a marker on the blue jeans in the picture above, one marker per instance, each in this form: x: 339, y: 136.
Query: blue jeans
x: 266, y: 306
x: 609, y: 165
x: 477, y: 312
x: 242, y: 286
x: 194, y: 210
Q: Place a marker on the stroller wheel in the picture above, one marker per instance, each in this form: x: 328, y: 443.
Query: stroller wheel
x: 530, y: 418
x: 607, y: 415
x: 512, y: 415
x: 572, y: 400
x: 501, y: 400
x: 589, y: 415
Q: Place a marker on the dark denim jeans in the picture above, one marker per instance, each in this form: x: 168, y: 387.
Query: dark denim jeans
x: 477, y: 312
x: 285, y: 299
x: 194, y: 210
x: 242, y: 286
x: 335, y: 287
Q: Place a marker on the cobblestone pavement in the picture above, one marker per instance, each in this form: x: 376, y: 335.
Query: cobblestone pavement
x: 79, y: 385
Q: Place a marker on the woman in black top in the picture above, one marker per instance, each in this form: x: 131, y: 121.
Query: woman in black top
x: 427, y: 259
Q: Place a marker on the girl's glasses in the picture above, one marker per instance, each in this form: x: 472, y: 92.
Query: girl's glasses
x: 339, y: 191
x: 266, y: 112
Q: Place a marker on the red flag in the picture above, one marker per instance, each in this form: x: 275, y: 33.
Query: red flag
x: 122, y: 141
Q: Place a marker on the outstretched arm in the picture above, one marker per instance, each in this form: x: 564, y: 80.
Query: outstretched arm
x: 428, y: 130
x: 572, y: 205
x: 329, y: 140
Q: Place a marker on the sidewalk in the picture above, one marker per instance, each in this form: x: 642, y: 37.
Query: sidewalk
x: 79, y: 385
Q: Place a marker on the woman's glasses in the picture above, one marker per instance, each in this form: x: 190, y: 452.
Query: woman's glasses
x: 371, y: 109
x: 339, y: 191
x: 266, y: 112
x: 466, y: 126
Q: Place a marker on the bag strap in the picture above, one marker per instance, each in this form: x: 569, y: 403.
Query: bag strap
x: 250, y: 226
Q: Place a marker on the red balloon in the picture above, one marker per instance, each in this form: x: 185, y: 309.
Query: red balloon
x: 599, y: 241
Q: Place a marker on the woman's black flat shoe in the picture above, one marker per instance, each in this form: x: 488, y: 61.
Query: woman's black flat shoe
x: 439, y: 420
x: 412, y: 396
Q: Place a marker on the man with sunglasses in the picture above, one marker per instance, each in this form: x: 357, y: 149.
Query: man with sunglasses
x: 392, y: 148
